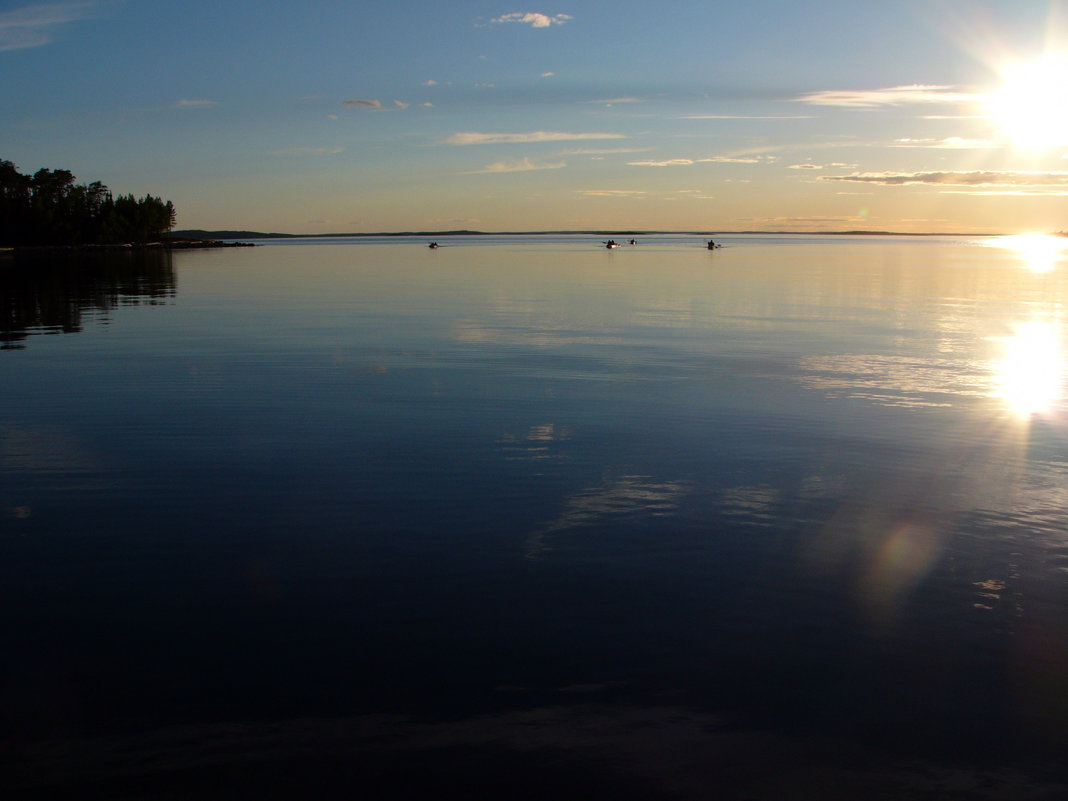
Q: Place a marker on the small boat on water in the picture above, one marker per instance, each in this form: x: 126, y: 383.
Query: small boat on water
x: 433, y: 245
x: 611, y: 243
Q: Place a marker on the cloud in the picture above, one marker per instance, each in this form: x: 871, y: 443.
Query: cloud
x: 955, y: 116
x: 799, y: 223
x: 894, y: 96
x: 634, y: 193
x: 430, y: 82
x: 451, y: 221
x: 548, y: 74
x: 519, y: 165
x: 732, y: 160
x: 201, y: 103
x: 694, y: 194
x: 609, y: 101
x: 401, y: 104
x: 975, y: 178
x: 362, y: 104
x: 667, y: 163
x: 746, y: 117
x: 33, y: 26
x: 533, y: 19
x: 950, y: 143
x: 806, y: 166
x: 475, y: 138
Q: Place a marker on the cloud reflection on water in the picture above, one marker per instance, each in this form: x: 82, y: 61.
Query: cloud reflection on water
x: 626, y: 496
x: 535, y: 334
x: 891, y: 380
x: 535, y: 443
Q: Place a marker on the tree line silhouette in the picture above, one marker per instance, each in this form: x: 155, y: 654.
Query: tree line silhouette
x: 49, y: 208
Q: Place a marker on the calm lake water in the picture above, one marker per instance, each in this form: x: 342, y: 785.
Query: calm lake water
x: 526, y: 517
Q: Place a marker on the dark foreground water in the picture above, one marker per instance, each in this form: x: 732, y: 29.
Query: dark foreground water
x: 526, y: 518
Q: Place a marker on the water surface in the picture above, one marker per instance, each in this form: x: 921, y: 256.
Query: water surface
x: 618, y: 521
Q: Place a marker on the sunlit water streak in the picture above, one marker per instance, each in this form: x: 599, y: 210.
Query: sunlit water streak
x: 801, y: 485
x: 1031, y: 376
x: 1037, y: 252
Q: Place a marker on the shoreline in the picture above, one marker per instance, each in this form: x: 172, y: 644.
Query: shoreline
x: 179, y: 244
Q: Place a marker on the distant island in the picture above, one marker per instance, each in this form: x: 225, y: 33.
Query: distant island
x: 202, y: 234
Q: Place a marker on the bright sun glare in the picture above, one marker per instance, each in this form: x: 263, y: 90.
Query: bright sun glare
x: 1031, y: 372
x: 1040, y: 253
x: 1030, y: 106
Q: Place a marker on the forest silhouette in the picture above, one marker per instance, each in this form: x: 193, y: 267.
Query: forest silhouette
x: 49, y: 209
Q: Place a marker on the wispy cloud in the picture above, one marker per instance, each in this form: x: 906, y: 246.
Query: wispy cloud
x: 362, y: 104
x: 894, y: 96
x: 533, y: 19
x: 732, y: 160
x: 476, y: 138
x: 519, y: 165
x: 694, y: 194
x: 975, y: 178
x: 401, y: 104
x: 806, y: 166
x: 684, y: 162
x: 35, y: 25
x: 430, y: 82
x: 950, y: 143
x: 548, y: 74
x: 611, y: 101
x: 746, y: 117
x: 634, y: 193
x: 799, y: 223
x: 665, y: 163
x: 195, y: 103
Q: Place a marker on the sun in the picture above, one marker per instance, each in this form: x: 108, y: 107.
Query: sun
x: 1030, y: 106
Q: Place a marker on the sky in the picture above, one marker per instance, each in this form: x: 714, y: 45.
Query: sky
x: 524, y: 115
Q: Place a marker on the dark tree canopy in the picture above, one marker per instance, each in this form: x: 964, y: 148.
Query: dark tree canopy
x: 49, y: 208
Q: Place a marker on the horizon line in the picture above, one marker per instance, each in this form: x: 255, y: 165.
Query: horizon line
x: 236, y: 233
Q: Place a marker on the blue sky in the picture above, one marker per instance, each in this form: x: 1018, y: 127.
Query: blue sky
x: 317, y: 117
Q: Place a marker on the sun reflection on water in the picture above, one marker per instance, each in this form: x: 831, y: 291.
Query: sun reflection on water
x: 1030, y: 377
x: 1040, y: 253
